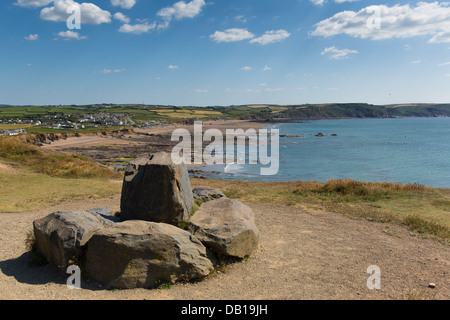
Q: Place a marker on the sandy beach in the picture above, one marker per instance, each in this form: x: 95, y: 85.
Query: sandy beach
x: 140, y: 142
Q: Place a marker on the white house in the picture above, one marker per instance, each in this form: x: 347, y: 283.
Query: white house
x: 14, y: 132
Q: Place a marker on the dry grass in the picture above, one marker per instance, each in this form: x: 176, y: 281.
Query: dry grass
x: 422, y: 209
x: 417, y: 295
x: 23, y: 192
x: 45, y: 179
x: 57, y: 165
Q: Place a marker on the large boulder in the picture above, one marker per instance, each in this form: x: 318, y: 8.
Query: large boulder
x: 207, y: 194
x: 138, y: 254
x: 156, y: 190
x: 61, y: 237
x: 227, y: 227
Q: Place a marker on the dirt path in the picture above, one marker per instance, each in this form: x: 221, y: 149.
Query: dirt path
x: 300, y: 256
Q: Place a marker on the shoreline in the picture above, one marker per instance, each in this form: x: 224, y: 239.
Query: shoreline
x: 116, y: 150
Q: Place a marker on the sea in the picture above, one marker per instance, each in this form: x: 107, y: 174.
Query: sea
x: 399, y: 150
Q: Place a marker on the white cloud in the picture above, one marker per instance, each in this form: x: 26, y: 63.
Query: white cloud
x: 70, y: 35
x: 246, y: 68
x: 90, y: 13
x: 416, y: 61
x: 441, y: 37
x: 444, y: 64
x: 180, y: 10
x: 337, y: 54
x: 32, y: 37
x: 318, y: 2
x: 137, y: 28
x: 267, y: 68
x: 173, y: 67
x: 125, y: 4
x: 274, y: 89
x: 271, y: 37
x: 107, y: 71
x: 201, y: 91
x: 232, y: 35
x: 121, y: 17
x: 240, y: 19
x: 32, y: 3
x: 398, y: 21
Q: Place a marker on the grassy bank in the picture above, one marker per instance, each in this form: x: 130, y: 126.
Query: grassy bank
x: 422, y: 209
x: 42, y: 179
x: 32, y: 158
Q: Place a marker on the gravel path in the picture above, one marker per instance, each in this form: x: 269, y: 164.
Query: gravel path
x: 300, y: 256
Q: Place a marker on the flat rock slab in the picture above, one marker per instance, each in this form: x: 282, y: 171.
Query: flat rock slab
x: 138, y: 254
x: 61, y: 236
x: 156, y: 190
x: 226, y: 227
x: 207, y: 194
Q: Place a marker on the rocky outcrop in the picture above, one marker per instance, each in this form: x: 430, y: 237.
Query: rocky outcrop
x: 226, y: 227
x: 139, y: 254
x: 61, y: 237
x: 144, y: 247
x: 156, y: 190
x: 207, y: 194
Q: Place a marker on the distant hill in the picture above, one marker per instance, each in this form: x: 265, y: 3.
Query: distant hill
x: 336, y: 111
x: 262, y: 112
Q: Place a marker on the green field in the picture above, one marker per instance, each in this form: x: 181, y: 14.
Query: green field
x: 141, y: 114
x: 14, y: 126
x: 137, y: 113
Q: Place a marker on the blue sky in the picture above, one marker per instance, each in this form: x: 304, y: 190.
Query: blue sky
x: 224, y: 52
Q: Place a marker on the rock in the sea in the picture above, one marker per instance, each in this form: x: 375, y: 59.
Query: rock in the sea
x: 156, y: 190
x: 139, y: 254
x: 61, y: 236
x: 207, y: 194
x: 226, y: 227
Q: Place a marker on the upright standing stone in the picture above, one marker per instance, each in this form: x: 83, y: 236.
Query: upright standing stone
x: 156, y: 190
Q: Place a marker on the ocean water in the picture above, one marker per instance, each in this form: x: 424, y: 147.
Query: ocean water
x: 405, y: 150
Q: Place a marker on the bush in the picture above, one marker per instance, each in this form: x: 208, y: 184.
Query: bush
x: 350, y: 190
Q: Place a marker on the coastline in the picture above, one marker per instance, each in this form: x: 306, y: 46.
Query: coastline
x: 117, y: 149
